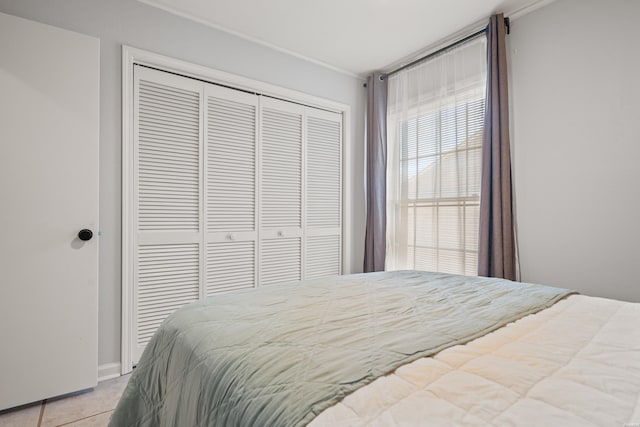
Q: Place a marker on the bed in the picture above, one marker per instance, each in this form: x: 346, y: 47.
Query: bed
x: 391, y: 349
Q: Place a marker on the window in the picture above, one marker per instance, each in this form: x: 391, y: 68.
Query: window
x: 435, y: 125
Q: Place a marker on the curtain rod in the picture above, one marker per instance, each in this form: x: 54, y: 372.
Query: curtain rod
x: 437, y: 52
x: 454, y: 44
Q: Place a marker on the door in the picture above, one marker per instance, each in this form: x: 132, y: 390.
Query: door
x: 168, y: 193
x: 226, y: 190
x: 49, y: 131
x: 230, y: 204
x: 281, y: 191
x: 323, y: 195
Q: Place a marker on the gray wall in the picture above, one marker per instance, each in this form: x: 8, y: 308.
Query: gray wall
x: 117, y: 22
x: 575, y: 86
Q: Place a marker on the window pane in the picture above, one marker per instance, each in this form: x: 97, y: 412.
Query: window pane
x: 452, y: 174
x: 428, y: 178
x: 412, y: 139
x: 474, y: 163
x: 426, y: 259
x: 471, y: 227
x: 450, y: 227
x: 410, y: 169
x: 411, y: 225
x: 451, y: 262
x: 447, y: 130
x: 409, y: 264
x: 427, y: 131
x: 426, y: 227
x: 471, y: 264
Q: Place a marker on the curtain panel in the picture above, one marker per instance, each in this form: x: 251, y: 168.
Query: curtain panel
x: 497, y: 253
x: 435, y: 120
x: 376, y: 158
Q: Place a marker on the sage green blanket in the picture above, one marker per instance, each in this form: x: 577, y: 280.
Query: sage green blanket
x: 280, y: 355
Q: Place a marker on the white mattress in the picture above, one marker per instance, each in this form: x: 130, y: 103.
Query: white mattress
x: 574, y: 364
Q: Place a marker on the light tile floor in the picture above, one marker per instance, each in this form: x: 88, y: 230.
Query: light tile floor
x: 83, y: 409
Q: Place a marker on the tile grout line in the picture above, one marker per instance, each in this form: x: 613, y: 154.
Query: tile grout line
x: 42, y: 405
x: 83, y: 418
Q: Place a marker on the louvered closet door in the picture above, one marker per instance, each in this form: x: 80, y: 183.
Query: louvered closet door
x: 323, y: 243
x: 230, y: 189
x: 281, y: 190
x: 167, y: 193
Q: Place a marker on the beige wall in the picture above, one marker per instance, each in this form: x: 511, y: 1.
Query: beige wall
x: 575, y: 88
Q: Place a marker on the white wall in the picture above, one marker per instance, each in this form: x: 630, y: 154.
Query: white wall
x: 575, y: 88
x: 118, y: 22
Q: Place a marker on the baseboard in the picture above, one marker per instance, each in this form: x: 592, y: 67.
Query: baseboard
x: 108, y: 371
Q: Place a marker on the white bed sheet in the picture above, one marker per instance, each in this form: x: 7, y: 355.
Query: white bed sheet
x: 576, y: 363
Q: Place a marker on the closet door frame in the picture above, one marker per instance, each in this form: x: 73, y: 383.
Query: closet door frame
x: 132, y: 56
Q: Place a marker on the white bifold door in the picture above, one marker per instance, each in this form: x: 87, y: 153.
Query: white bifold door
x: 168, y: 194
x: 323, y: 195
x: 231, y: 196
x: 49, y: 134
x: 232, y: 190
x: 281, y: 195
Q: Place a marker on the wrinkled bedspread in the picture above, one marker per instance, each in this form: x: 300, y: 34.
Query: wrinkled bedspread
x: 280, y: 355
x: 575, y: 364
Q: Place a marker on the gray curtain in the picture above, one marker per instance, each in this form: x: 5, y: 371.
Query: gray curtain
x: 375, y: 242
x: 497, y: 255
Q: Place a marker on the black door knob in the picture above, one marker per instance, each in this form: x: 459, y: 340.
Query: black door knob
x: 85, y: 234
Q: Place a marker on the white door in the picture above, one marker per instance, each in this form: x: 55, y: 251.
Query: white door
x: 226, y: 190
x: 49, y: 131
x: 281, y: 191
x: 168, y: 193
x: 323, y: 195
x: 230, y: 204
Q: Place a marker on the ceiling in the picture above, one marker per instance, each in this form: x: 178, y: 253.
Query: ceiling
x: 353, y: 36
